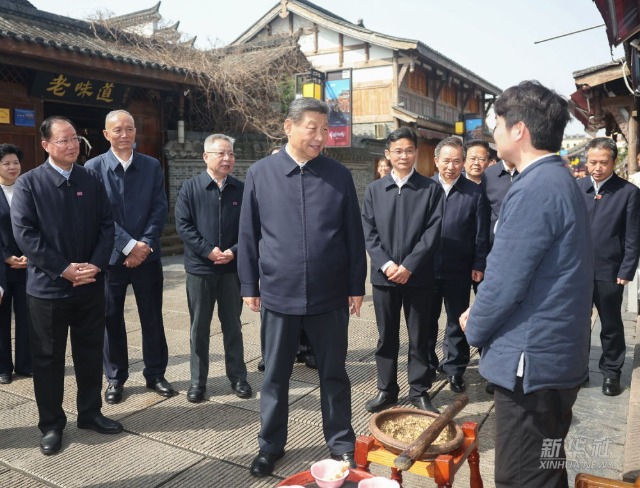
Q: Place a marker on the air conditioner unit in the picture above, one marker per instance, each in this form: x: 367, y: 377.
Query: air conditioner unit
x: 380, y: 131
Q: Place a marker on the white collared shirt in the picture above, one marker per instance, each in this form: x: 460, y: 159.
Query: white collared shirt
x: 299, y: 163
x: 401, y: 181
x: 446, y: 186
x: 596, y: 185
x: 125, y: 164
x: 8, y: 192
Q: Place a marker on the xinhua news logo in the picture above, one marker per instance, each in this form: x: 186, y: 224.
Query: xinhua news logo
x: 583, y: 453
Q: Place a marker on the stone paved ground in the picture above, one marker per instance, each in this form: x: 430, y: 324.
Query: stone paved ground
x: 172, y: 443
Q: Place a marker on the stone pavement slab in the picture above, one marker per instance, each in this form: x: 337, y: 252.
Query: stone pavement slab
x: 173, y: 443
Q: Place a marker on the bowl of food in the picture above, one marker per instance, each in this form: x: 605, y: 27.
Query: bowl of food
x: 378, y: 482
x: 330, y: 473
x: 397, y: 428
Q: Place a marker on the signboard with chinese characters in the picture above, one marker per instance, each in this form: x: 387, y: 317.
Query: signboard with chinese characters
x: 86, y: 91
x: 337, y: 94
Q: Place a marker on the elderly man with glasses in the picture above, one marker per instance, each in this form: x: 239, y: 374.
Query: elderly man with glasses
x: 207, y: 220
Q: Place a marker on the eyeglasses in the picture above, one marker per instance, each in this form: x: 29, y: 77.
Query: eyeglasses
x: 477, y: 160
x: 220, y: 154
x: 63, y: 142
x: 400, y: 152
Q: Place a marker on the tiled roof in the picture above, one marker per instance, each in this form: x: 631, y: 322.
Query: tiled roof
x: 24, y: 23
x: 360, y: 32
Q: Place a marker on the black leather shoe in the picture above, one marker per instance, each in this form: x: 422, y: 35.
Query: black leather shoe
x: 196, y: 393
x: 113, y: 393
x: 424, y: 403
x: 51, y: 442
x: 264, y: 463
x: 310, y: 361
x: 101, y: 424
x: 5, y: 379
x: 611, y: 386
x: 347, y: 457
x: 381, y: 401
x: 161, y: 386
x: 456, y: 383
x: 489, y: 388
x: 261, y: 365
x: 242, y: 389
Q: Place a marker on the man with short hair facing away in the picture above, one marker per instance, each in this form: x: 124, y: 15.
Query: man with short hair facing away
x: 530, y: 316
x: 401, y: 217
x: 62, y: 221
x: 476, y: 160
x: 135, y: 186
x: 614, y: 212
x: 302, y: 263
x: 207, y: 217
x: 460, y: 259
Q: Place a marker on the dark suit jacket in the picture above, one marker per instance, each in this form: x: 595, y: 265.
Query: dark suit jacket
x: 57, y: 222
x: 207, y: 217
x: 8, y: 243
x: 464, y: 241
x: 138, y: 201
x: 403, y: 226
x: 496, y: 184
x: 301, y: 247
x: 615, y: 227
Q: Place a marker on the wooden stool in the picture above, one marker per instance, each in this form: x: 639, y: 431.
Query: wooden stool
x: 442, y: 469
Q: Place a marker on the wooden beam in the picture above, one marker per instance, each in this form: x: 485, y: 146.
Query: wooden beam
x: 618, y: 101
x: 401, y: 75
x: 42, y: 58
x: 366, y: 52
x: 340, y: 49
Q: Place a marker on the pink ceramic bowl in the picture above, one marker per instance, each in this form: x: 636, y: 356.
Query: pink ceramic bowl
x: 378, y: 482
x: 324, y: 473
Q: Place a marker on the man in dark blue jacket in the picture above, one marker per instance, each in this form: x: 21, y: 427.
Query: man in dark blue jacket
x: 135, y: 186
x: 497, y: 181
x: 460, y: 259
x: 62, y: 222
x: 207, y: 217
x: 301, y: 257
x: 530, y: 316
x: 614, y: 212
x: 401, y: 217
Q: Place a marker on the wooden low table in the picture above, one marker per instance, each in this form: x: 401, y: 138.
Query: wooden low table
x: 306, y: 479
x: 442, y: 469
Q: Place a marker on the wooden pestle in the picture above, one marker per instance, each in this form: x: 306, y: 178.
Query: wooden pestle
x: 406, y: 458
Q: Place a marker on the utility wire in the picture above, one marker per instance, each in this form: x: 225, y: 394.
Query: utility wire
x: 569, y: 34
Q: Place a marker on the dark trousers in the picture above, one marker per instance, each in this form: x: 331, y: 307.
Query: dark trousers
x: 328, y: 335
x: 146, y: 281
x: 455, y: 349
x: 15, y: 297
x: 388, y: 301
x: 607, y: 297
x: 203, y: 292
x: 530, y: 433
x: 50, y: 322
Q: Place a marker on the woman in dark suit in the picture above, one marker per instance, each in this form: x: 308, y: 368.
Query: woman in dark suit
x: 16, y: 278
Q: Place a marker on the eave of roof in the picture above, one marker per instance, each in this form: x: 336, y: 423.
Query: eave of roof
x: 48, y: 30
x: 312, y: 12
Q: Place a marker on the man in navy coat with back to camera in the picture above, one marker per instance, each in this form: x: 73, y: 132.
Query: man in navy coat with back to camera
x: 62, y: 221
x: 401, y: 217
x: 532, y: 315
x: 301, y: 258
x: 614, y: 212
x: 135, y: 186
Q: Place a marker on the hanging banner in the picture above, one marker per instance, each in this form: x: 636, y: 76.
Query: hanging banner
x: 337, y: 94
